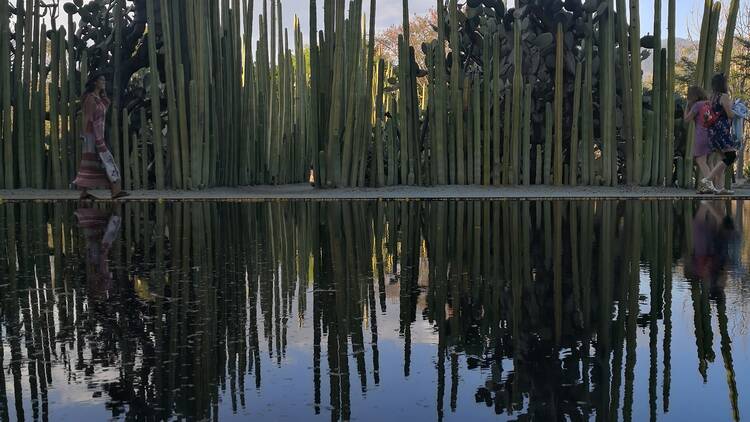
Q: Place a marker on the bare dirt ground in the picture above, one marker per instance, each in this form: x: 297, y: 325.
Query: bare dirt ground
x: 306, y: 192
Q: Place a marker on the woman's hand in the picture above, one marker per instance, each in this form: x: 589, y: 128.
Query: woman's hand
x: 726, y: 102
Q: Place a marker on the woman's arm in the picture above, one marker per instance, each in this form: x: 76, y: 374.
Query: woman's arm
x: 89, y: 108
x: 726, y: 102
x: 689, y: 115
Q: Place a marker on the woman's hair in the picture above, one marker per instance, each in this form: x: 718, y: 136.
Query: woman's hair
x: 695, y: 94
x: 91, y: 83
x: 719, y: 84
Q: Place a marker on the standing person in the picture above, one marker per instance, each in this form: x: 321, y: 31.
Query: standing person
x: 695, y: 111
x: 97, y: 168
x: 720, y: 131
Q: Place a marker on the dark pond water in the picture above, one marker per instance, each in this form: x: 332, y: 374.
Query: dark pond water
x: 375, y: 311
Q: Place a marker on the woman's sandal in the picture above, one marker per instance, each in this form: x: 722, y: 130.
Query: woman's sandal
x: 85, y: 196
x: 120, y: 194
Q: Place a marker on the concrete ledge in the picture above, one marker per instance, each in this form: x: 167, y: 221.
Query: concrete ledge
x: 305, y: 192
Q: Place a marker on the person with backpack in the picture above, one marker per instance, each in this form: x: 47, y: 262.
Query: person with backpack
x: 697, y: 108
x: 719, y: 122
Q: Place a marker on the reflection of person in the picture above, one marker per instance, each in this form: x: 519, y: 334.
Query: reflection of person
x: 100, y: 230
x: 713, y: 231
x: 97, y: 167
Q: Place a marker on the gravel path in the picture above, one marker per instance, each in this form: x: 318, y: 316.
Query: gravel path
x: 305, y: 192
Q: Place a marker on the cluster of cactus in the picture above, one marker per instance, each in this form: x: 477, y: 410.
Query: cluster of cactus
x: 548, y: 92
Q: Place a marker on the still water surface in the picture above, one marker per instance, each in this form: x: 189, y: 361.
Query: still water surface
x: 368, y: 311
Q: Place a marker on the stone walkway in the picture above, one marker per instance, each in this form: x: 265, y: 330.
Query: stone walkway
x: 305, y: 192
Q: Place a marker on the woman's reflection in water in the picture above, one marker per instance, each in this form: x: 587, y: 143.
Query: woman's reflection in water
x: 100, y: 229
x: 714, y: 234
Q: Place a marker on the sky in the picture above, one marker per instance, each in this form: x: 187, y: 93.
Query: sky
x: 389, y: 12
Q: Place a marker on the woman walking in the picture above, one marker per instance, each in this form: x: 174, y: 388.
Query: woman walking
x: 97, y: 168
x: 696, y: 109
x: 720, y: 132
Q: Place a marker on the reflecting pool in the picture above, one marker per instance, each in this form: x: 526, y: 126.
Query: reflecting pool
x: 466, y: 311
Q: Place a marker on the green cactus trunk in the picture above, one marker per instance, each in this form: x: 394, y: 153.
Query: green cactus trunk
x: 155, y: 100
x: 526, y: 142
x: 728, y: 45
x: 627, y: 93
x: 574, y: 139
x: 559, y: 103
x: 487, y: 118
x: 517, y: 104
x: 496, y: 116
x: 548, y: 143
x: 5, y: 78
x: 637, y: 89
x: 709, y: 64
x: 456, y: 94
x: 670, y: 92
x: 476, y: 115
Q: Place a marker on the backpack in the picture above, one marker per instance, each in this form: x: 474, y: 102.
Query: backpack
x: 708, y: 116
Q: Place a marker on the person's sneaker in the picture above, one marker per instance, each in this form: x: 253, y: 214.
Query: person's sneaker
x: 707, y: 185
x: 725, y: 192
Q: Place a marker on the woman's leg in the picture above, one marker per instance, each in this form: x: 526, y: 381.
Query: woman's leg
x: 702, y: 162
x: 718, y: 174
x: 117, y: 191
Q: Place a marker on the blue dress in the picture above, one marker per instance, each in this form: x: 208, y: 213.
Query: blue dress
x: 720, y: 134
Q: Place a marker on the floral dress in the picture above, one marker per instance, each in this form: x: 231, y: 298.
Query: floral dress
x: 720, y: 133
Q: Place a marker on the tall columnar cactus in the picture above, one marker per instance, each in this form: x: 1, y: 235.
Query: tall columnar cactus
x: 657, y: 176
x: 155, y: 99
x: 379, y: 162
x: 712, y: 36
x: 526, y: 140
x: 727, y: 48
x: 487, y: 114
x: 5, y: 77
x: 497, y: 87
x: 458, y: 115
x: 54, y: 150
x: 441, y: 102
x: 588, y: 109
x: 65, y: 143
x: 517, y: 101
x: 507, y: 113
x: 626, y: 90
x: 173, y: 123
x: 476, y: 115
x: 607, y: 83
x: 574, y: 129
x: 700, y: 65
x: 670, y: 93
x: 335, y: 124
x: 637, y: 90
x: 559, y: 104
